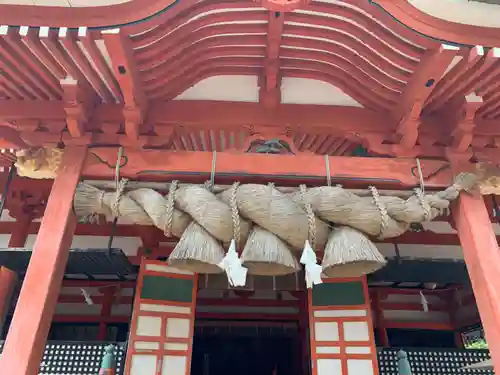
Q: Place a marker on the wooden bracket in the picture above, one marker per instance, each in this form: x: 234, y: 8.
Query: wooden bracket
x: 79, y: 105
x: 408, y: 126
x: 270, y: 96
x: 463, y: 131
x: 270, y: 81
x: 127, y: 74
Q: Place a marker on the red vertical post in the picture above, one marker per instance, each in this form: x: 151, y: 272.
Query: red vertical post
x: 32, y: 318
x: 8, y: 281
x: 108, y: 294
x: 20, y: 233
x: 379, y: 319
x: 482, y: 256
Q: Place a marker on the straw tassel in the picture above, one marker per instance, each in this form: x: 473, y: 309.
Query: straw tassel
x: 313, y: 270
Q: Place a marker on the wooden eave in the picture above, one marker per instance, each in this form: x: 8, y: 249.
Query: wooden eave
x: 440, y: 29
x: 136, y: 11
x: 117, y: 85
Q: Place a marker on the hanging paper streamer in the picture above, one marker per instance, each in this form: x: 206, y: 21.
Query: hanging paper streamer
x: 424, y: 302
x: 313, y: 270
x: 87, y: 297
x: 231, y: 264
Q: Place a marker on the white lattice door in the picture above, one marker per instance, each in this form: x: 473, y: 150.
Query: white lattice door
x: 161, y: 333
x: 341, y: 330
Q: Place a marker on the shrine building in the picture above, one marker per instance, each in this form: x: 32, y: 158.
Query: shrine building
x: 271, y: 187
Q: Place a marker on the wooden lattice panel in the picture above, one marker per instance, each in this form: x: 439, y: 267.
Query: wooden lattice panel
x: 161, y: 333
x: 434, y: 362
x: 341, y: 330
x: 76, y: 358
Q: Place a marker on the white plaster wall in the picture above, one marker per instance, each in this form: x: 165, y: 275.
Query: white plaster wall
x: 245, y: 89
x: 461, y: 11
x: 235, y: 88
x: 310, y: 91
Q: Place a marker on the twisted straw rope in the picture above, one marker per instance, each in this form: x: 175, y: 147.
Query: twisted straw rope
x: 384, y: 216
x: 425, y: 206
x: 391, y: 215
x: 234, y: 213
x: 170, y: 207
x: 310, y: 216
x: 120, y: 190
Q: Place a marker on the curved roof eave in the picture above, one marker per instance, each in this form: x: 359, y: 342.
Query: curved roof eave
x: 108, y: 16
x: 439, y: 29
x: 136, y: 11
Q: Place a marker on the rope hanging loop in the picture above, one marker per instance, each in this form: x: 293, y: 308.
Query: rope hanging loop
x: 232, y: 264
x: 308, y: 257
x: 170, y: 208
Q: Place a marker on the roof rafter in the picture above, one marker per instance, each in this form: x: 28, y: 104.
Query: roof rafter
x: 455, y: 79
x: 432, y: 68
x: 126, y: 72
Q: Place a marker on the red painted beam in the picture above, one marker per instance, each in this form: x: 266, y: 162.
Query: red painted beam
x: 130, y: 230
x: 447, y: 87
x: 197, y: 114
x: 270, y: 88
x: 356, y: 123
x: 429, y: 72
x: 101, y: 299
x: 247, y: 316
x: 98, y: 284
x: 197, y: 166
x: 412, y: 306
x: 419, y: 325
x: 126, y: 72
x: 91, y: 319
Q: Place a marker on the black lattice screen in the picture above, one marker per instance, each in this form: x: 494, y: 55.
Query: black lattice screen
x: 77, y: 358
x: 434, y: 362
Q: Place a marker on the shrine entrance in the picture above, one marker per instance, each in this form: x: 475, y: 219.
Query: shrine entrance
x: 249, y: 349
x: 180, y: 326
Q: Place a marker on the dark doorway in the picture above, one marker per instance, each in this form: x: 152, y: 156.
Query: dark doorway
x: 250, y: 350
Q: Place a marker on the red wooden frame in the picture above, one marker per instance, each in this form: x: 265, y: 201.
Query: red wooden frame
x: 163, y: 315
x: 342, y: 355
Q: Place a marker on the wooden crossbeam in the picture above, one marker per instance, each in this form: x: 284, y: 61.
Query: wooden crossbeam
x: 227, y: 115
x: 155, y: 165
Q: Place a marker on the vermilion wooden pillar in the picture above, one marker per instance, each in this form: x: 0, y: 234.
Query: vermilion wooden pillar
x: 482, y: 256
x: 8, y: 281
x: 32, y: 318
